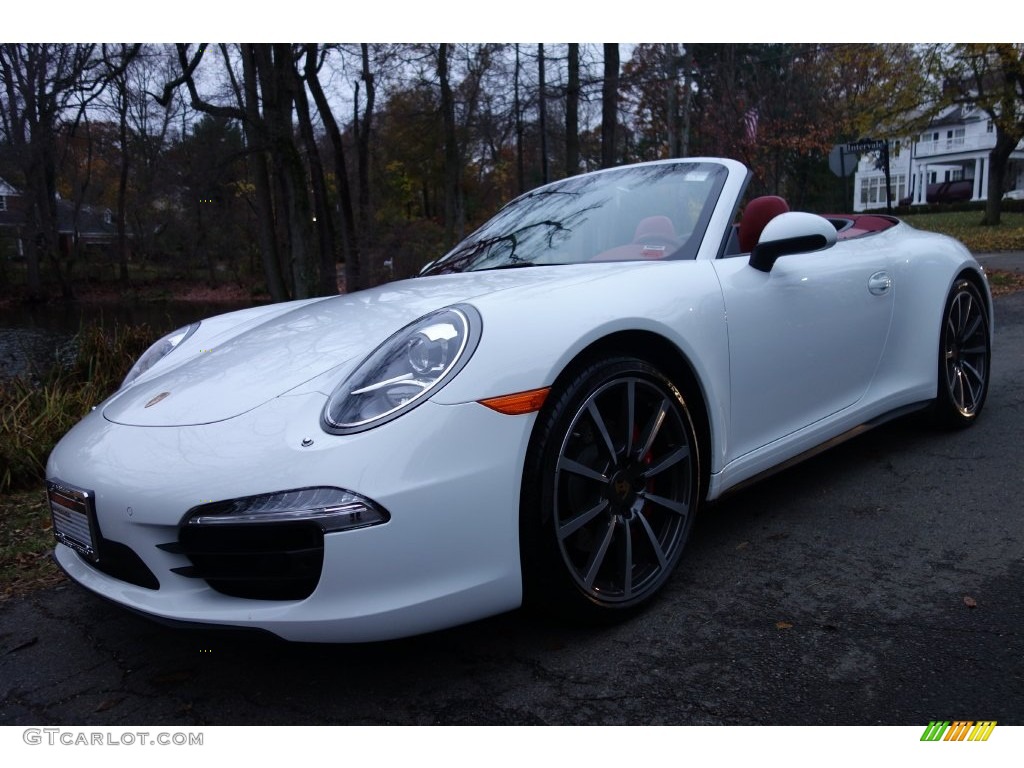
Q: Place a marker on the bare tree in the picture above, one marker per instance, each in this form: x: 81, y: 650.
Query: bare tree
x: 46, y: 86
x: 350, y: 241
x: 265, y: 103
x: 117, y: 59
x: 609, y: 104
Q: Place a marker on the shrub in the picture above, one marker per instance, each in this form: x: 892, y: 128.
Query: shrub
x: 36, y: 411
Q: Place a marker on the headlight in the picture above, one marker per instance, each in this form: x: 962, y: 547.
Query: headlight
x: 158, y: 351
x: 404, y: 370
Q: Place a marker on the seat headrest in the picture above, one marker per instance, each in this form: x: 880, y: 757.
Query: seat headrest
x: 756, y: 216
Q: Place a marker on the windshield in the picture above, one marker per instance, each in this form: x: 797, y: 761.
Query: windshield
x: 657, y: 211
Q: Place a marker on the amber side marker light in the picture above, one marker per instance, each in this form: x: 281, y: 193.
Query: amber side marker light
x: 519, y: 403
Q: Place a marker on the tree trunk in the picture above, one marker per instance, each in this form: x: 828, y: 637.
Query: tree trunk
x: 273, y: 62
x: 451, y: 151
x: 572, y: 111
x: 609, y: 104
x: 323, y: 227
x: 122, y: 186
x: 999, y: 158
x: 542, y: 110
x: 256, y: 139
x: 517, y: 106
x: 350, y: 245
x: 364, y: 143
x: 684, y: 139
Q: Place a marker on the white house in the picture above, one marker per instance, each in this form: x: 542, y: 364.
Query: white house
x: 954, y: 148
x: 6, y: 191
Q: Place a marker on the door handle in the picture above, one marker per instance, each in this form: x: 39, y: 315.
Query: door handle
x: 879, y: 283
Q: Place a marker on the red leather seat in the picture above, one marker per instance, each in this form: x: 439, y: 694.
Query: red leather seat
x: 756, y: 216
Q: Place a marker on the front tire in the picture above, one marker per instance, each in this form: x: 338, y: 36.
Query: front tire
x: 964, y: 357
x: 612, y: 485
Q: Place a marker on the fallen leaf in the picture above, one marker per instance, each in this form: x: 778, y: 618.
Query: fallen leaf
x: 970, y: 602
x: 27, y: 644
x: 743, y: 545
x: 783, y: 625
x: 108, y: 704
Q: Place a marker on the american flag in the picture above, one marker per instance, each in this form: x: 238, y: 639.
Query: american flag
x: 750, y: 121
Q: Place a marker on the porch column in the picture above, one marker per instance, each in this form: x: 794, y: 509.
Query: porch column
x: 985, y: 165
x: 921, y: 190
x: 979, y: 165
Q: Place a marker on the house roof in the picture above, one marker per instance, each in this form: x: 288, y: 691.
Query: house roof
x: 7, y: 190
x: 955, y: 115
x: 92, y: 222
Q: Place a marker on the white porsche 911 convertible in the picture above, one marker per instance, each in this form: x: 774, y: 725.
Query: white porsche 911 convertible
x: 536, y: 419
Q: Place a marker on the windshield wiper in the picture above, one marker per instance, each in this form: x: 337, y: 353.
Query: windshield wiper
x: 511, y: 265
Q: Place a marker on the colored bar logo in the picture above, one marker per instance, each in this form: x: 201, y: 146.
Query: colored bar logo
x: 958, y: 730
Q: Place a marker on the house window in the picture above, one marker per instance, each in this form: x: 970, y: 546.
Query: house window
x: 3, y: 202
x: 955, y: 138
x: 869, y: 191
x: 989, y: 127
x: 899, y: 186
x: 872, y: 190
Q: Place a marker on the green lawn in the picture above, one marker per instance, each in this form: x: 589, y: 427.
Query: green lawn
x: 966, y: 227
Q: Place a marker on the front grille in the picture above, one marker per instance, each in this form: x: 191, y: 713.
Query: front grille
x: 270, y: 561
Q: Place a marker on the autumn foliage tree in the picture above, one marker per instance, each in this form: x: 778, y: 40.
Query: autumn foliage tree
x: 991, y: 77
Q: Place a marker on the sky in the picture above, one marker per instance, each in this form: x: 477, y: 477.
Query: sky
x: 475, y: 21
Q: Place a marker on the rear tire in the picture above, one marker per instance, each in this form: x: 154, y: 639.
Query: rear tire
x: 611, y: 488
x: 964, y: 357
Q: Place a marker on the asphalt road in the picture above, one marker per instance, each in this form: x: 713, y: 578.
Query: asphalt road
x: 877, y: 583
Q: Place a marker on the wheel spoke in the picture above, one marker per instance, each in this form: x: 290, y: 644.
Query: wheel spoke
x: 970, y: 368
x: 568, y: 529
x: 959, y: 321
x: 973, y: 329
x: 679, y: 507
x: 958, y: 394
x: 580, y: 469
x: 969, y: 372
x: 627, y: 566
x: 598, y: 420
x: 630, y: 415
x: 655, y: 544
x: 652, y: 429
x: 671, y: 460
x: 597, y: 558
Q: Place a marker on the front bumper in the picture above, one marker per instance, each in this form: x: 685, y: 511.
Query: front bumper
x: 448, y: 474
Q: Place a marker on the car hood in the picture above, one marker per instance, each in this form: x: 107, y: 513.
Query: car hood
x: 215, y: 378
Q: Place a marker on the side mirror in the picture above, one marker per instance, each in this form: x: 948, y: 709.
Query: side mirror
x: 790, y: 233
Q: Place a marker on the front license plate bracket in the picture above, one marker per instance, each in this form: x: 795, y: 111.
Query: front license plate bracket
x: 74, y: 518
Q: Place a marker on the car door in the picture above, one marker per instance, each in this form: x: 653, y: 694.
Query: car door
x: 805, y: 338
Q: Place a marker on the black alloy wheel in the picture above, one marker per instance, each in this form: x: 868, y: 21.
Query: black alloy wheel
x: 964, y: 356
x: 613, y: 484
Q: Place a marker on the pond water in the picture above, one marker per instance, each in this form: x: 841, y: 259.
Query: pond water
x: 34, y: 337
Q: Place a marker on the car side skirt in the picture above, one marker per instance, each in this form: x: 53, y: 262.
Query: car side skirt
x: 810, y: 453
